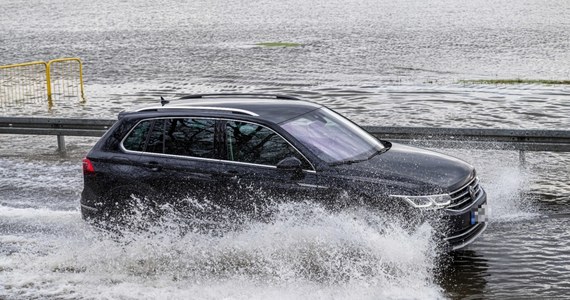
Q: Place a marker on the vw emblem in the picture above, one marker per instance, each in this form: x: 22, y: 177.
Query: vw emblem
x: 472, y: 192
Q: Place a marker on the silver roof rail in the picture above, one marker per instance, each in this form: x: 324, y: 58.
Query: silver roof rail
x: 234, y: 110
x: 240, y: 95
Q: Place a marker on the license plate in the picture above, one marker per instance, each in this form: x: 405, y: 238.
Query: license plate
x: 478, y: 215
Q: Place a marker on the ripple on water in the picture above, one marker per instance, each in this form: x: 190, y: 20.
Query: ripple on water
x: 380, y: 63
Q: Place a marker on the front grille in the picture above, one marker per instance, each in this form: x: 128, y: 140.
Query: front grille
x: 462, y: 197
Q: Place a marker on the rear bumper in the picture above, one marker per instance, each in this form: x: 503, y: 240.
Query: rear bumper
x: 90, y: 213
x: 91, y: 206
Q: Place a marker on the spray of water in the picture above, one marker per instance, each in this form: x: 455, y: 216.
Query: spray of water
x: 507, y: 184
x: 305, y: 251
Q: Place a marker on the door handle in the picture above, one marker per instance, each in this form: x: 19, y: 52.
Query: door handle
x: 230, y: 175
x: 122, y: 160
x: 153, y: 166
x: 198, y: 176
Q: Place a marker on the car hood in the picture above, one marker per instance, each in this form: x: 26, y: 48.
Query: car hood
x: 411, y: 169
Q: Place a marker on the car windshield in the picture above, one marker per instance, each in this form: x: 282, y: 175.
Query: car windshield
x: 332, y: 137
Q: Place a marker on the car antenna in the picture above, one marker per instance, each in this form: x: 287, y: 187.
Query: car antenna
x: 163, y: 102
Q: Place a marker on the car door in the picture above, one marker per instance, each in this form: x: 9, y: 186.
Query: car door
x: 253, y: 152
x: 180, y: 162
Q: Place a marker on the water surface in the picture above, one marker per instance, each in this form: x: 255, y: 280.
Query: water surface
x: 378, y: 62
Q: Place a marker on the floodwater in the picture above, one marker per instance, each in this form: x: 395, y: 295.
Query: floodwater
x: 392, y: 63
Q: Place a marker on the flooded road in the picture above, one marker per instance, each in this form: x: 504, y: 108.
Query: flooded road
x: 377, y: 62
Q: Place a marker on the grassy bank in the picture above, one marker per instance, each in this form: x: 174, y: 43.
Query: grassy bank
x: 516, y: 81
x: 278, y: 44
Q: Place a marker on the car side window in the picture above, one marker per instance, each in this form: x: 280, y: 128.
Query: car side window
x: 179, y: 136
x: 256, y: 144
x: 137, y: 137
x: 155, y: 142
x: 189, y: 137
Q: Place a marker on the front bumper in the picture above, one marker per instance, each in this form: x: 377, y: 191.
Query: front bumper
x: 467, y: 224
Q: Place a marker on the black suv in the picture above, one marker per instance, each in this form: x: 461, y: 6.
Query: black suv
x: 237, y: 150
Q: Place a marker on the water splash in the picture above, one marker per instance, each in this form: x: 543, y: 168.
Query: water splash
x: 508, y: 201
x: 304, y: 252
x: 507, y: 183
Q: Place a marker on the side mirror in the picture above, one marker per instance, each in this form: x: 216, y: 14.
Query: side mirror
x: 290, y: 163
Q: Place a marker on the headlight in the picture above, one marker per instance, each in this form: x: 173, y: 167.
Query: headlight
x: 429, y: 201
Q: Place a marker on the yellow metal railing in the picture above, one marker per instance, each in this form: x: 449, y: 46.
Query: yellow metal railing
x: 57, y: 72
x: 23, y: 83
x: 32, y: 82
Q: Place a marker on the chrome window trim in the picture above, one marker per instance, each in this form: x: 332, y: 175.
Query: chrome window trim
x: 247, y: 112
x: 122, y: 147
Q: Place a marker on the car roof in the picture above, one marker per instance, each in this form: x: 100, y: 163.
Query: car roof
x: 269, y: 107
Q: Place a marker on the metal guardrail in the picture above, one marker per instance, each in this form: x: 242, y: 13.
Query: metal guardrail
x: 497, y: 139
x: 503, y: 139
x: 53, y: 126
x: 473, y: 138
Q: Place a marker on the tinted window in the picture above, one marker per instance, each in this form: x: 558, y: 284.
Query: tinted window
x: 252, y: 143
x: 188, y: 137
x: 156, y: 137
x: 137, y: 137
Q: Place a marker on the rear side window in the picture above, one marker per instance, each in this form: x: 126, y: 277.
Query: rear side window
x: 180, y: 136
x: 189, y: 137
x: 156, y: 138
x: 253, y: 143
x: 137, y: 137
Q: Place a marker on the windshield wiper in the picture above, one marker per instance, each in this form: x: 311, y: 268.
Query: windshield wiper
x: 378, y: 152
x: 352, y: 161
x: 347, y: 161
